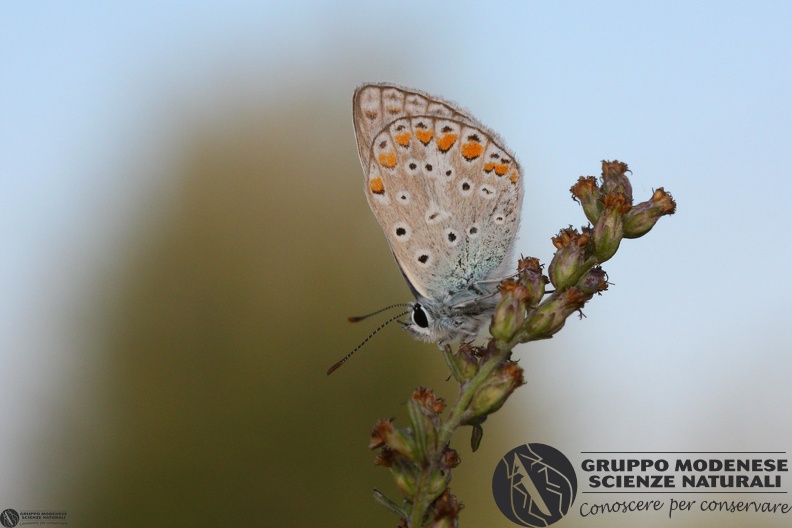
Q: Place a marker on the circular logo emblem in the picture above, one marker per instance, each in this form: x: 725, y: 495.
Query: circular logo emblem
x: 534, y: 485
x: 9, y: 518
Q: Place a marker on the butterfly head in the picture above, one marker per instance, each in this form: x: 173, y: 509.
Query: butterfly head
x: 438, y: 323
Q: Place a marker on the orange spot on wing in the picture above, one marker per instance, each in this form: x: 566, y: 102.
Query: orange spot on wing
x: 489, y: 166
x: 472, y: 150
x: 501, y: 169
x: 513, y: 177
x: 403, y: 139
x: 425, y: 136
x: 387, y: 159
x: 446, y: 142
x: 376, y: 186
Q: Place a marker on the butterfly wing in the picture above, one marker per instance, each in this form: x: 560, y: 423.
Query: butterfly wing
x: 444, y: 188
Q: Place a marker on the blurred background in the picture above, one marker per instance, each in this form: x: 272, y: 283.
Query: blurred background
x: 183, y: 233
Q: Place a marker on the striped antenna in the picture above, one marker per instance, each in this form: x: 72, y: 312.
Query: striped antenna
x: 383, y: 325
x: 358, y: 318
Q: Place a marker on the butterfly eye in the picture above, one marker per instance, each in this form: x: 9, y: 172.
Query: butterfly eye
x: 419, y: 316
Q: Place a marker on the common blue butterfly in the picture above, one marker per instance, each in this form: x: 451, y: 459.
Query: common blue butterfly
x: 447, y: 192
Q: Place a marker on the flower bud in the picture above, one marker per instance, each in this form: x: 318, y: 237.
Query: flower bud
x: 614, y: 179
x: 510, y: 312
x: 430, y: 404
x: 404, y: 475
x: 607, y: 232
x: 567, y: 264
x: 529, y: 275
x: 550, y: 316
x: 466, y: 361
x: 445, y: 511
x: 385, y: 434
x: 378, y: 433
x: 587, y: 193
x: 438, y: 483
x: 594, y: 281
x: 642, y: 217
x: 450, y: 458
x: 423, y: 430
x: 494, y: 392
x: 386, y: 457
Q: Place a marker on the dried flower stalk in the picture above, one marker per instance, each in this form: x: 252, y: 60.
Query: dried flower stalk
x: 419, y: 456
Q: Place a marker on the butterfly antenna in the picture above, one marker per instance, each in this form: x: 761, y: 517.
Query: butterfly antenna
x: 383, y: 325
x: 357, y: 318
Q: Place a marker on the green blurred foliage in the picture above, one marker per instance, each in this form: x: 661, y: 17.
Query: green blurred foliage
x: 211, y: 405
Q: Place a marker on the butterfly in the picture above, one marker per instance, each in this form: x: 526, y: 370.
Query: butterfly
x: 447, y: 192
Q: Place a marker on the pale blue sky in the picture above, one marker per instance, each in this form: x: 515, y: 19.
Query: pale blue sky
x: 694, y: 96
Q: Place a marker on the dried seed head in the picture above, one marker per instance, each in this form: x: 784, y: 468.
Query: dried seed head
x: 587, y: 193
x: 614, y: 179
x: 510, y: 312
x: 529, y: 275
x: 608, y: 230
x: 467, y: 361
x: 386, y: 457
x: 385, y: 434
x: 450, y: 458
x: 379, y: 433
x: 594, y: 281
x: 645, y: 215
x: 430, y: 404
x: 494, y: 392
x: 445, y: 508
x: 568, y: 262
x: 550, y: 316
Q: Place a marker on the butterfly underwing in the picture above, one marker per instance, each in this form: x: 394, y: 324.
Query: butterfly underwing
x: 447, y: 192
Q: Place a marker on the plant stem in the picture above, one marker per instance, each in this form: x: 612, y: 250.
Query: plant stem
x: 420, y: 456
x: 447, y: 428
